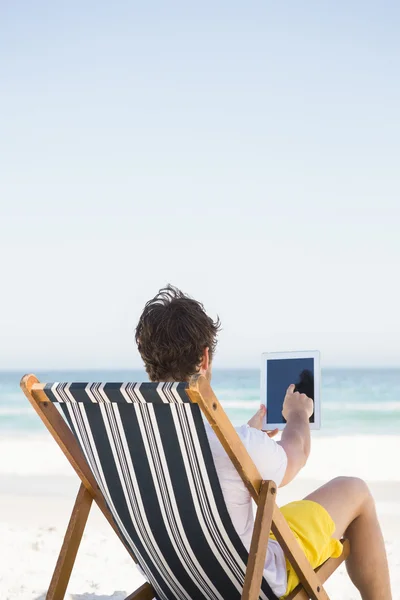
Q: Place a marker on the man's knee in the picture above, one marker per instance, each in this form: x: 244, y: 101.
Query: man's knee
x: 354, y: 486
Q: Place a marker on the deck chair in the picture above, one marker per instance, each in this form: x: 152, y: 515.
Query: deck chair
x: 142, y: 454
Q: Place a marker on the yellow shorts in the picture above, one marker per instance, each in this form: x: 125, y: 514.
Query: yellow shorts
x: 313, y: 527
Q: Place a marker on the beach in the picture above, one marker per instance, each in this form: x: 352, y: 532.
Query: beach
x: 38, y: 486
x: 359, y: 437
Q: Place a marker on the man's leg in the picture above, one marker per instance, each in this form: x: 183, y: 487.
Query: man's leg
x: 352, y: 508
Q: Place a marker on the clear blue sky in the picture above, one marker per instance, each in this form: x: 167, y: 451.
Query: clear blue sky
x: 249, y: 153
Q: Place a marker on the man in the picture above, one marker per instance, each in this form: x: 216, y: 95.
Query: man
x: 176, y: 339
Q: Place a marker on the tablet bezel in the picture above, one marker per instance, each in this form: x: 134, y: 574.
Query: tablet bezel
x: 315, y: 354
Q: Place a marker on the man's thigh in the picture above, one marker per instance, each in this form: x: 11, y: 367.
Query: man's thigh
x: 343, y: 498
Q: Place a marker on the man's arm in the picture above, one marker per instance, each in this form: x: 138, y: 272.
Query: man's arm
x: 296, y: 440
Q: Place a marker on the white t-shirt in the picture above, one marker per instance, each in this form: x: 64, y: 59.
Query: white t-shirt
x: 271, y: 462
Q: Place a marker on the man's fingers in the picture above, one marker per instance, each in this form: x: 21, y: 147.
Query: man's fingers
x: 290, y: 389
x: 256, y: 420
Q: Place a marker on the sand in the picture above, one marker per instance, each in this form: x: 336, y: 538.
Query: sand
x: 37, y: 490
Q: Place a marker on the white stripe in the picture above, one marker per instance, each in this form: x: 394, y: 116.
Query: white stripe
x: 131, y: 393
x: 88, y: 390
x: 167, y: 391
x: 161, y: 393
x: 93, y: 460
x: 133, y: 496
x: 192, y: 473
x: 206, y: 492
x: 148, y: 440
x: 175, y: 393
x: 63, y: 394
x: 168, y: 504
x: 139, y: 395
x: 68, y: 393
x: 101, y: 393
x: 55, y: 391
x: 220, y: 529
x: 96, y: 393
x: 124, y: 392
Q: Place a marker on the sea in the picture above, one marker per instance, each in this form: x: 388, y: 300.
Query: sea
x: 353, y: 401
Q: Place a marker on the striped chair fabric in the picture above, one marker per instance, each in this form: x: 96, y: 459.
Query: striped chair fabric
x: 147, y: 448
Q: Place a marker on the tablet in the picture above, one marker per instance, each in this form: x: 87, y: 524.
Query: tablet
x: 278, y: 371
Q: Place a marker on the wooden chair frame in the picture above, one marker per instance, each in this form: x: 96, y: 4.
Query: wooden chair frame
x: 268, y: 516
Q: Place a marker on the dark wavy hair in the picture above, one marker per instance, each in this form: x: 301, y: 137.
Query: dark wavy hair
x: 172, y: 333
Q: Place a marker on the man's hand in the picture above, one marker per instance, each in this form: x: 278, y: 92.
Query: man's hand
x: 257, y: 421
x: 296, y: 403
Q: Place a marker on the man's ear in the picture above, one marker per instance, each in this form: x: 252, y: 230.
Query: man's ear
x: 205, y: 361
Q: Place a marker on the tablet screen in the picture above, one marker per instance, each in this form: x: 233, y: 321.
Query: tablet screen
x: 280, y: 374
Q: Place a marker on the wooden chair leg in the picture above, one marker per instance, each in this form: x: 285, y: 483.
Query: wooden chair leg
x: 294, y: 553
x: 145, y: 592
x: 69, y: 549
x: 324, y: 572
x: 259, y: 541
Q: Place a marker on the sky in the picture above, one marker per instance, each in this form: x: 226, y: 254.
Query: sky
x: 247, y: 153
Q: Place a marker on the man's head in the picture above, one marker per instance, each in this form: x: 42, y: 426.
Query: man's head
x: 175, y: 337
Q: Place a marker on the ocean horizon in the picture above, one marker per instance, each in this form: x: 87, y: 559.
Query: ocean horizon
x: 353, y: 400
